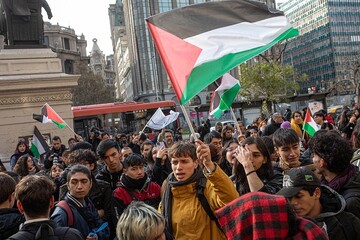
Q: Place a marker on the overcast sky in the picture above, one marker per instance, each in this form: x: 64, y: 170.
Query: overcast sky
x: 89, y: 17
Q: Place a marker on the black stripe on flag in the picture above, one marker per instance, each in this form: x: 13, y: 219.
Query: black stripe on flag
x: 41, y: 139
x: 199, y: 18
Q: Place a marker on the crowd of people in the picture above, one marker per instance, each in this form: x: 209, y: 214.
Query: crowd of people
x: 268, y: 180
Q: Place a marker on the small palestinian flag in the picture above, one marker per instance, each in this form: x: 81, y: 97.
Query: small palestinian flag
x: 201, y: 42
x: 224, y: 95
x: 38, y: 144
x: 48, y: 115
x: 309, y: 124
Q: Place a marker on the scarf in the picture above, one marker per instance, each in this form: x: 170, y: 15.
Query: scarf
x: 32, y: 171
x: 341, y: 179
x: 296, y: 126
x: 133, y: 183
x: 166, y: 202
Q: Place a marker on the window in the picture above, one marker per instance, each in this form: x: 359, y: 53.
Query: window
x: 66, y: 43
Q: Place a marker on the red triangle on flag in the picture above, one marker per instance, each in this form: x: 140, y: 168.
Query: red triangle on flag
x: 177, y: 55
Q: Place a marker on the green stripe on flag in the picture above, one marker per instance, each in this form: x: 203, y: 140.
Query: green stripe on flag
x: 197, y: 80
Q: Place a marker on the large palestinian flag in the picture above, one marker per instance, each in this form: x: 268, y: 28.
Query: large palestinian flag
x: 199, y: 43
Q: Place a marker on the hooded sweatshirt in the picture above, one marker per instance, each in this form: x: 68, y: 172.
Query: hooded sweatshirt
x: 339, y: 223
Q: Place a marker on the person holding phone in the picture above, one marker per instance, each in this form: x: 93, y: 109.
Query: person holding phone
x: 162, y: 166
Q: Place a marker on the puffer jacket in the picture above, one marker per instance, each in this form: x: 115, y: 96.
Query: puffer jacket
x: 189, y: 219
x: 10, y: 220
x: 339, y: 224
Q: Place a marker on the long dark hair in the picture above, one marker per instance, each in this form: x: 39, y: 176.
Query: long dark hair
x: 265, y: 172
x: 22, y: 142
x: 21, y: 166
x: 223, y: 163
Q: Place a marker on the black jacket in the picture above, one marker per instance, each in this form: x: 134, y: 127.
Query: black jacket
x: 47, y: 162
x: 270, y: 129
x: 351, y: 192
x: 339, y: 224
x: 10, y: 220
x: 160, y: 172
x: 30, y: 230
x: 112, y: 178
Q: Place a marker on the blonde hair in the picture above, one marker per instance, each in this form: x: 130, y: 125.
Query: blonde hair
x: 139, y: 221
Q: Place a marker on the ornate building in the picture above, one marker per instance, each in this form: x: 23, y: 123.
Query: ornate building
x: 70, y: 48
x: 103, y: 67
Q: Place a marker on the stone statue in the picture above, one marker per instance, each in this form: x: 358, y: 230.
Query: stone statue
x: 24, y: 24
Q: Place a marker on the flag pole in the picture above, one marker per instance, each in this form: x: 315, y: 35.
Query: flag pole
x: 235, y: 120
x: 188, y: 122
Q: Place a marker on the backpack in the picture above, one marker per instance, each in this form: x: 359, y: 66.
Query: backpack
x: 200, y: 186
x: 70, y: 216
x: 45, y: 232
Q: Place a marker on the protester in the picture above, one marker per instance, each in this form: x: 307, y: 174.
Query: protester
x: 227, y: 158
x: 276, y: 121
x: 186, y: 217
x: 109, y: 152
x: 134, y: 185
x: 34, y: 200
x: 264, y: 216
x: 55, y: 153
x: 10, y: 218
x: 309, y: 198
x: 227, y: 134
x: 54, y: 174
x: 85, y: 216
x: 140, y: 221
x: 26, y: 166
x: 287, y: 147
x: 162, y: 166
x: 253, y: 169
x: 214, y: 138
x: 332, y: 155
x: 21, y: 149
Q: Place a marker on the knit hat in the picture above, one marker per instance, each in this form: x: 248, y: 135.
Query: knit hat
x: 285, y: 124
x: 297, y: 178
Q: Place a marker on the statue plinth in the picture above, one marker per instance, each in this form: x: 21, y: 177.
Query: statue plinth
x: 28, y: 79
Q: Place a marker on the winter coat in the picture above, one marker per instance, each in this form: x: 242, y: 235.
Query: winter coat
x: 189, y: 219
x: 112, y: 178
x: 31, y: 229
x: 123, y: 196
x: 48, y: 163
x: 86, y: 217
x: 351, y: 193
x: 160, y: 172
x: 10, y: 220
x: 339, y: 224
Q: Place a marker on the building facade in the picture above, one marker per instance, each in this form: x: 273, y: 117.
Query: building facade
x: 103, y: 66
x: 70, y: 48
x: 328, y: 43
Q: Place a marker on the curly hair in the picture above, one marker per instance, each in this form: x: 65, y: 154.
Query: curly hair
x: 21, y: 166
x: 335, y: 150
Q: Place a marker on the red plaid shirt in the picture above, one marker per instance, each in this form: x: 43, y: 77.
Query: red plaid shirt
x: 264, y: 216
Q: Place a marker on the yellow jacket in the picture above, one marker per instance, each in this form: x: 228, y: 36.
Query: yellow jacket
x: 189, y: 219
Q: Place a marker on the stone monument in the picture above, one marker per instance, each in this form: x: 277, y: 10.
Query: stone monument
x: 30, y: 76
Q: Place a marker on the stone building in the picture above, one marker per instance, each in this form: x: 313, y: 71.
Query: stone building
x: 70, y: 48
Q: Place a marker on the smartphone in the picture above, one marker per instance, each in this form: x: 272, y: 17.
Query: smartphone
x: 160, y: 145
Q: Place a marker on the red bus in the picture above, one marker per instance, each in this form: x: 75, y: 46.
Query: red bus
x: 118, y: 117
